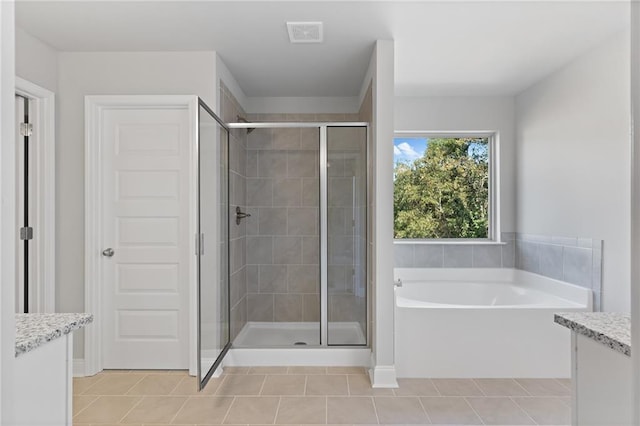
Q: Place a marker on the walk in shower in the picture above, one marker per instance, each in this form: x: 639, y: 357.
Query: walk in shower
x: 299, y: 257
x: 287, y: 203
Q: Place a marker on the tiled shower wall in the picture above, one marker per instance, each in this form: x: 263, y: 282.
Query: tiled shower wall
x: 237, y: 194
x: 282, y: 232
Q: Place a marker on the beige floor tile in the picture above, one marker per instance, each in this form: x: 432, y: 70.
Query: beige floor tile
x: 302, y: 410
x: 351, y: 410
x: 81, y: 384
x: 499, y: 411
x: 236, y: 370
x: 416, y: 387
x: 204, y: 410
x: 268, y: 370
x: 359, y: 385
x: 156, y: 384
x: 544, y: 387
x: 115, y: 384
x: 346, y: 370
x: 80, y: 402
x: 500, y: 387
x: 400, y: 410
x: 566, y: 400
x: 566, y: 382
x: 233, y: 385
x: 189, y: 386
x: 327, y: 385
x: 457, y: 387
x: 107, y: 409
x: 291, y: 384
x: 155, y: 409
x: 545, y: 410
x: 449, y: 410
x: 253, y: 410
x: 307, y: 370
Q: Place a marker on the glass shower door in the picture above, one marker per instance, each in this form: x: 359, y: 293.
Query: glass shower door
x: 347, y: 235
x: 212, y: 242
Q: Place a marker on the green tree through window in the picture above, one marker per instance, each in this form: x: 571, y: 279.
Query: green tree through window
x: 445, y: 192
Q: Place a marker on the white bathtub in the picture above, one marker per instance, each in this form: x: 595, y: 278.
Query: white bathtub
x: 482, y: 323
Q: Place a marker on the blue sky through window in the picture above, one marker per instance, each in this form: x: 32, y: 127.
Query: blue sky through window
x: 406, y: 150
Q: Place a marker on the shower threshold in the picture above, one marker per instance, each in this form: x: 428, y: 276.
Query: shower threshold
x: 296, y: 334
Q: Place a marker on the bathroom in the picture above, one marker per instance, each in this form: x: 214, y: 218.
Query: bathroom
x: 555, y: 105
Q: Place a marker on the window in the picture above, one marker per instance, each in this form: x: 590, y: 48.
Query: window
x: 442, y: 186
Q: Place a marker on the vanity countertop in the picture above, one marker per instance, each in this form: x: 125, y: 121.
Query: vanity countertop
x: 34, y: 330
x: 609, y: 328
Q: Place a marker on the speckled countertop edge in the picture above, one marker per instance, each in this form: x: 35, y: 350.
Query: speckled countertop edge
x: 609, y: 328
x: 34, y: 330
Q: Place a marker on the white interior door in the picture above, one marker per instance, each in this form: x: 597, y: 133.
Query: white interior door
x: 147, y: 243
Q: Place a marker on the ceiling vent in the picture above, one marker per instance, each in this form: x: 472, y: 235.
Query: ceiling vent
x: 305, y: 32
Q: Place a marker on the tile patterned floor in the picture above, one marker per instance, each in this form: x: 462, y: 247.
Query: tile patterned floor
x: 313, y: 395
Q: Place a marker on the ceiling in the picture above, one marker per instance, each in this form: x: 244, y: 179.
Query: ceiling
x: 447, y: 48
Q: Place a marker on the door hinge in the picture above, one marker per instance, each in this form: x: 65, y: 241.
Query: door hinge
x: 199, y: 244
x: 26, y: 129
x: 26, y: 233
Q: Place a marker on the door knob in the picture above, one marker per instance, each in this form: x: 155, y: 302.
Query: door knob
x: 108, y: 252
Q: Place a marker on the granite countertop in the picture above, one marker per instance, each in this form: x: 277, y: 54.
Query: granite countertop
x: 34, y: 330
x: 609, y: 328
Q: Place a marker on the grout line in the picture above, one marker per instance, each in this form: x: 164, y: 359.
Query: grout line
x: 306, y: 378
x: 264, y: 380
x: 425, y: 410
x: 326, y: 410
x: 179, y: 409
x: 478, y: 386
x: 275, y: 418
x: 131, y: 409
x: 87, y: 406
x: 228, y: 410
x: 523, y: 388
x: 101, y: 378
x: 523, y: 410
x: 474, y: 410
x: 136, y: 384
x: 375, y: 409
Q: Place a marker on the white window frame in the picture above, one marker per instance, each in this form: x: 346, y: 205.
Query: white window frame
x: 494, y: 234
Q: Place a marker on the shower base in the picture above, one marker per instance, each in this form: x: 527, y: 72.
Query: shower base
x: 296, y: 335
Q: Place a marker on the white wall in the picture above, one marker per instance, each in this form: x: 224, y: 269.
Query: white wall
x: 36, y: 61
x: 80, y: 74
x: 573, y: 168
x: 469, y: 114
x: 8, y: 226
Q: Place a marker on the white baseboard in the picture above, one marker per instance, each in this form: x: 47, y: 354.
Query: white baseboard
x: 79, y: 369
x: 383, y: 376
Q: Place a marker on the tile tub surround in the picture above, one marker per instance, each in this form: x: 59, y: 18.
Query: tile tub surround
x: 410, y: 254
x: 574, y: 260
x: 313, y: 395
x: 34, y: 330
x: 609, y: 328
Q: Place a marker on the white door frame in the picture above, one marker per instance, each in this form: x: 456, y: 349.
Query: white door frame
x: 95, y: 106
x: 44, y: 150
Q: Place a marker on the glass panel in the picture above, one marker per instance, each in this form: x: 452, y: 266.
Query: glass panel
x: 281, y: 237
x: 213, y: 259
x: 347, y: 235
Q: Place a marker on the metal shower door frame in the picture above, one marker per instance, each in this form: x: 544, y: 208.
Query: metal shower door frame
x: 324, y: 214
